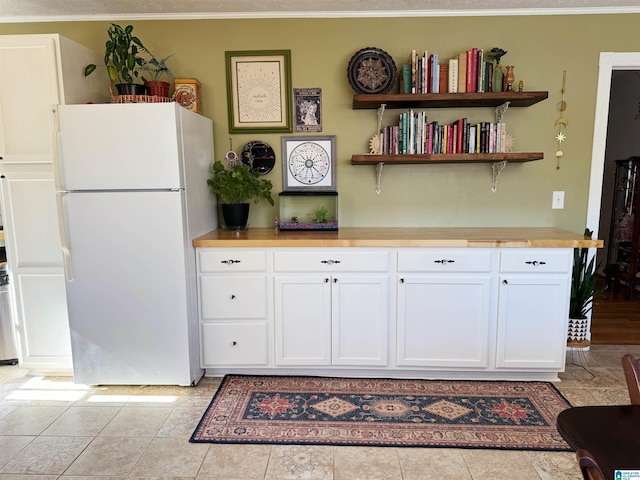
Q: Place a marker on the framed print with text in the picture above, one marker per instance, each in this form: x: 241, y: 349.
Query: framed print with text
x: 308, y: 109
x: 259, y: 91
x: 308, y: 163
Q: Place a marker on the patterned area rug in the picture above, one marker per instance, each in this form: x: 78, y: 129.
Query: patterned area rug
x: 383, y: 412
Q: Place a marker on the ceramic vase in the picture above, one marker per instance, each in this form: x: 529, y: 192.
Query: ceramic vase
x: 509, y: 78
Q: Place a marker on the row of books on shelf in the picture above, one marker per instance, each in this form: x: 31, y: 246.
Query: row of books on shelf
x: 469, y: 71
x: 415, y: 135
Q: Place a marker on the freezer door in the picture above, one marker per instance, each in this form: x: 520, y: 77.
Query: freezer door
x: 120, y: 146
x: 128, y: 301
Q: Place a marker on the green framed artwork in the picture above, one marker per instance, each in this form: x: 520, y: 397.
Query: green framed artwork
x: 259, y: 91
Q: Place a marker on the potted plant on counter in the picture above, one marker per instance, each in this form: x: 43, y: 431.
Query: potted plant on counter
x: 122, y: 59
x: 235, y: 188
x: 583, y: 292
x: 157, y: 69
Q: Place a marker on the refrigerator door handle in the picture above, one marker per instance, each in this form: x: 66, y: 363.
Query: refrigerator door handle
x: 56, y: 146
x: 64, y: 238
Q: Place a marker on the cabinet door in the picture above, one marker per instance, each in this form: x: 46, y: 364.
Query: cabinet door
x: 360, y: 319
x: 35, y: 263
x: 28, y: 87
x: 303, y: 320
x: 532, y: 321
x: 443, y: 321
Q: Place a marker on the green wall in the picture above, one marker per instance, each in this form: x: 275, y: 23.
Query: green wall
x: 540, y: 47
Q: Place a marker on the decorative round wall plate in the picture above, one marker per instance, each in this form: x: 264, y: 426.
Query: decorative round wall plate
x: 259, y: 156
x: 371, y: 70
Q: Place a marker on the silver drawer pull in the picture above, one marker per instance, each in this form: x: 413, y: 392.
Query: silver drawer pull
x: 443, y: 261
x: 229, y: 262
x: 535, y: 263
x: 330, y: 262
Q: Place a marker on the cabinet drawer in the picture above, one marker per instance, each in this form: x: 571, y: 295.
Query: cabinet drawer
x: 233, y: 260
x: 234, y: 344
x: 444, y: 260
x: 223, y: 297
x: 536, y: 260
x: 331, y: 260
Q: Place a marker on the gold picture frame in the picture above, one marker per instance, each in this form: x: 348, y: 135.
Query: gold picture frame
x: 259, y: 91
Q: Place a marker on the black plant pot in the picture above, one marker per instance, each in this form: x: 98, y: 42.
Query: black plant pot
x: 235, y: 215
x: 131, y: 89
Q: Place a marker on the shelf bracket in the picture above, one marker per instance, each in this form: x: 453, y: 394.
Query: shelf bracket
x: 379, y: 167
x: 496, y: 168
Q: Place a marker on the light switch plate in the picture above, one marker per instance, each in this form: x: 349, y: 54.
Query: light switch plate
x: 558, y: 200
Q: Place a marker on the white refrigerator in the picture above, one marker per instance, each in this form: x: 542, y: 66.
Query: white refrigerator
x: 132, y: 194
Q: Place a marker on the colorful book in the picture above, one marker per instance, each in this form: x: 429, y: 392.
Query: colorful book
x: 443, y: 80
x: 453, y: 76
x: 462, y: 72
x: 472, y: 84
x: 481, y: 67
x: 435, y: 76
x: 414, y: 62
x: 406, y: 78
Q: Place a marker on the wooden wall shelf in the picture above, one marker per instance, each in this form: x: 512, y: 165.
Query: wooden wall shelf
x: 368, y: 159
x: 447, y: 100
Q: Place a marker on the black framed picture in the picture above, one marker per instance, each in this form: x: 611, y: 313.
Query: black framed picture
x: 308, y: 109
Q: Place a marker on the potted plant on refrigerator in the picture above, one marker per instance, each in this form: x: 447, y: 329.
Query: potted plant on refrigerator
x: 157, y: 69
x: 235, y: 187
x: 583, y: 293
x: 122, y: 59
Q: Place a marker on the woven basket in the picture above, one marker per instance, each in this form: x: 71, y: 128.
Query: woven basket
x: 139, y: 99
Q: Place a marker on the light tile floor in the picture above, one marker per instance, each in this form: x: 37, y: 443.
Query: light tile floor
x: 52, y: 429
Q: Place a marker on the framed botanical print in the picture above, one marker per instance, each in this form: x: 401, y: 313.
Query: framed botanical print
x: 308, y: 163
x: 259, y: 91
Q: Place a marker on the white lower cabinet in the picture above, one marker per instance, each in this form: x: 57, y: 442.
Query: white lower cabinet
x: 443, y: 321
x: 234, y: 307
x: 443, y: 312
x: 533, y: 309
x: 477, y: 313
x: 333, y: 316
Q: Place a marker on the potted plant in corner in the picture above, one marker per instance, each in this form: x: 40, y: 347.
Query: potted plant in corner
x: 157, y: 69
x: 583, y: 293
x: 235, y: 188
x: 122, y: 59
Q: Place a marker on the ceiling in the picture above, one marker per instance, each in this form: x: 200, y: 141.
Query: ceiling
x: 12, y: 11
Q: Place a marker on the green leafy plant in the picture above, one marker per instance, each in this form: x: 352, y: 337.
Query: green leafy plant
x: 238, y: 184
x: 121, y: 55
x: 583, y: 281
x: 320, y: 215
x: 156, y: 67
x: 495, y: 54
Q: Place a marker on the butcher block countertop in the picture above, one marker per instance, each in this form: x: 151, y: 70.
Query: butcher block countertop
x: 503, y: 237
